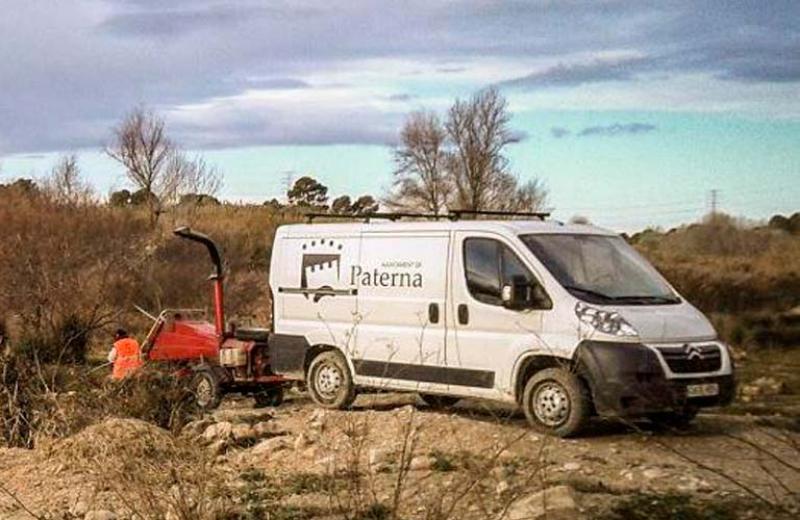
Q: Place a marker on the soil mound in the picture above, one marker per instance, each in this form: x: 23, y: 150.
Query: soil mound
x: 129, y: 439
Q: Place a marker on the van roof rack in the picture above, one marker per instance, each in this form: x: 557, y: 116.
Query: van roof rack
x: 457, y: 213
x: 369, y: 216
x: 453, y: 214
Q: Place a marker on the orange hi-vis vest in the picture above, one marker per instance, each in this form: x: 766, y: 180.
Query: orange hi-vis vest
x: 128, y: 358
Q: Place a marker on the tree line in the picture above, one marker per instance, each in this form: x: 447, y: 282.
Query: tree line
x: 457, y: 161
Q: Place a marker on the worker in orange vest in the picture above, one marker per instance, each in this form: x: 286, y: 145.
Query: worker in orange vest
x: 125, y: 354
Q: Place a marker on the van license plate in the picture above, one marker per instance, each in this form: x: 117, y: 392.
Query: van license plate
x: 706, y: 390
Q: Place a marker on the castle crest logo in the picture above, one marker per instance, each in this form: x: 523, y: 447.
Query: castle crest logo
x: 321, y: 266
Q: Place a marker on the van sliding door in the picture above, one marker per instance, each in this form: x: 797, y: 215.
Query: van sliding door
x: 400, y: 336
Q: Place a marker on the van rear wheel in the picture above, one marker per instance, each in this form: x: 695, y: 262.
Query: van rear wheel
x: 557, y: 402
x: 329, y: 381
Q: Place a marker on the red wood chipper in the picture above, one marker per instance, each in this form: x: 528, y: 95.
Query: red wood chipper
x: 218, y: 359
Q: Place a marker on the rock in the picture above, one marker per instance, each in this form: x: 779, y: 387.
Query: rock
x: 242, y: 415
x: 196, y: 428
x: 654, y: 473
x: 763, y: 387
x: 571, y: 466
x: 79, y: 509
x: 694, y: 484
x: 100, y: 514
x: 218, y: 447
x: 404, y: 410
x: 502, y: 487
x: 309, y: 453
x: 267, y: 429
x: 317, y: 418
x: 555, y: 503
x: 421, y: 463
x: 272, y: 445
x: 328, y: 463
x: 217, y: 431
x: 243, y: 432
x: 506, y: 456
x: 301, y: 441
x: 379, y: 458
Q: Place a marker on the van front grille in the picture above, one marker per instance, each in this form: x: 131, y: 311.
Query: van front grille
x: 689, y: 359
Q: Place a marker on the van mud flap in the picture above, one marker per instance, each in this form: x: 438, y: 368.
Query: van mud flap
x: 287, y: 354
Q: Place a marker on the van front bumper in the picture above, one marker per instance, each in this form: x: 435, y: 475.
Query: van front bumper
x: 627, y: 379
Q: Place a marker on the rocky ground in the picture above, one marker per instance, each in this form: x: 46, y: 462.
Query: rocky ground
x: 390, y: 453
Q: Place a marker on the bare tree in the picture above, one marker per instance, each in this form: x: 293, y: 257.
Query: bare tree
x: 155, y: 165
x: 421, y: 181
x: 197, y: 183
x: 479, y: 131
x: 65, y: 186
x: 531, y: 196
x: 197, y: 176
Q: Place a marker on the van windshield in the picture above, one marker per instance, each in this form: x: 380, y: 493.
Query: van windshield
x: 600, y: 269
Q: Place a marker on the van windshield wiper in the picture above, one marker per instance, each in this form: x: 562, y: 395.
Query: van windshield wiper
x: 650, y: 298
x: 589, y: 292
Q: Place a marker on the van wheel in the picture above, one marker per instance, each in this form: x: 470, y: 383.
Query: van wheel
x: 557, y: 402
x: 329, y: 381
x: 270, y: 397
x: 206, y: 389
x: 439, y: 401
x: 680, y: 419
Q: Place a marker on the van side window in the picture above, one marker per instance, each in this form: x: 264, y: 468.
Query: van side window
x: 482, y: 264
x: 512, y: 266
x: 489, y: 266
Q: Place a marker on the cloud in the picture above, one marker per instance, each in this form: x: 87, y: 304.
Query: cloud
x: 308, y: 117
x: 563, y: 75
x: 401, y: 97
x: 617, y: 129
x: 70, y: 70
x: 451, y: 70
x: 277, y: 83
x: 559, y: 132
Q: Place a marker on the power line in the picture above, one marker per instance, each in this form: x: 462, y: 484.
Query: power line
x: 713, y: 196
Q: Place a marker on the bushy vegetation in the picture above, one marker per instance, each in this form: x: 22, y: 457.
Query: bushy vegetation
x: 73, y: 266
x: 746, y: 276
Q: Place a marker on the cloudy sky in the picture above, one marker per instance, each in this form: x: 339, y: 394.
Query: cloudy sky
x: 632, y: 110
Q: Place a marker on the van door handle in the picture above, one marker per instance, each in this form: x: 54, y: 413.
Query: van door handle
x: 463, y: 314
x: 433, y: 313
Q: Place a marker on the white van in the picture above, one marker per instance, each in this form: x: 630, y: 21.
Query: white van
x: 567, y: 321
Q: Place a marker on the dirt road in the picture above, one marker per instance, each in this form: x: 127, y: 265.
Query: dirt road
x: 473, y: 461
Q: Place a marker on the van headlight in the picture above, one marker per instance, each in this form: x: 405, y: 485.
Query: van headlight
x: 608, y: 322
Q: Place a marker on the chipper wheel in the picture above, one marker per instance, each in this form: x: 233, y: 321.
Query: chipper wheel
x: 269, y: 397
x: 206, y: 389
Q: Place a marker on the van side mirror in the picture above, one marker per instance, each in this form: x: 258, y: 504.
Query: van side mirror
x: 517, y: 294
x: 522, y: 294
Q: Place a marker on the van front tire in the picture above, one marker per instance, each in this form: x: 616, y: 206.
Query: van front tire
x: 329, y: 381
x: 557, y: 402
